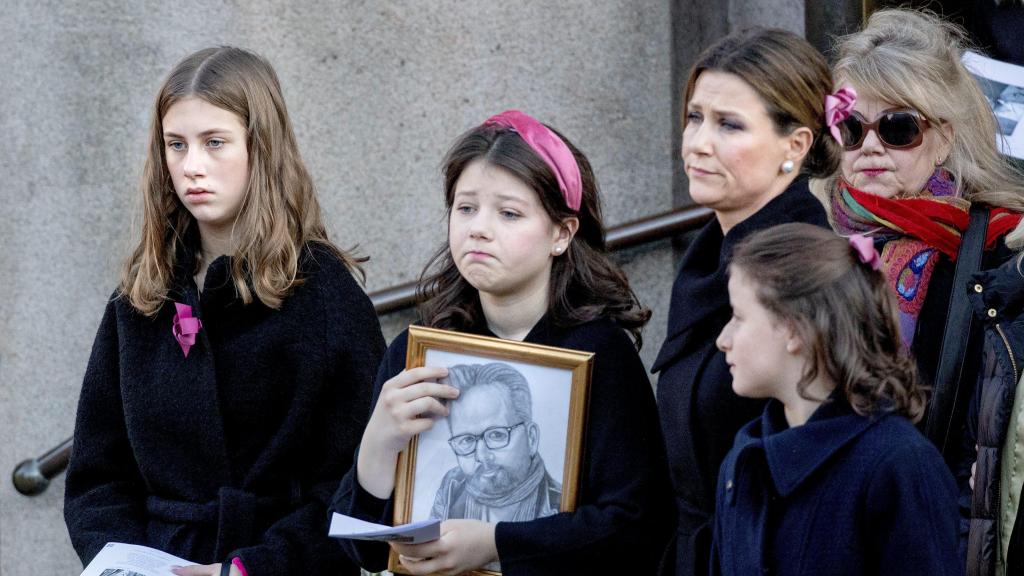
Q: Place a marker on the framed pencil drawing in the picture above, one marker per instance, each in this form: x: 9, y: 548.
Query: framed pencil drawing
x: 511, y: 446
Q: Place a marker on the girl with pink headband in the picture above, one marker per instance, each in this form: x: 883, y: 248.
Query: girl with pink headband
x: 526, y: 260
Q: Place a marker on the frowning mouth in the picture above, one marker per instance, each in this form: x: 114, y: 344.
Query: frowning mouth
x: 874, y: 172
x: 698, y: 172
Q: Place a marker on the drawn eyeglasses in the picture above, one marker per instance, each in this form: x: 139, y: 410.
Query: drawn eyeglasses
x: 495, y: 438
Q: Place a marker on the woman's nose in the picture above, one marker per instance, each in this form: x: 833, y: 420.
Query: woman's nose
x: 871, y: 144
x: 695, y: 140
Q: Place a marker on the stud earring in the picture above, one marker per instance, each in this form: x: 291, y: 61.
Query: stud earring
x: 787, y: 166
x: 558, y: 250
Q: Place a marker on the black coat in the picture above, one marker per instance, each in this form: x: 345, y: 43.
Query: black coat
x: 998, y: 29
x: 700, y: 414
x: 623, y: 519
x: 1001, y: 291
x: 842, y: 495
x: 236, y: 449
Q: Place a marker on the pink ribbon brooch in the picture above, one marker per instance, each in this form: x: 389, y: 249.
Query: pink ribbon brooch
x: 185, y: 327
x: 865, y: 248
x: 838, y: 107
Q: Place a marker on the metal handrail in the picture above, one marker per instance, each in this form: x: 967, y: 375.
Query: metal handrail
x: 32, y: 476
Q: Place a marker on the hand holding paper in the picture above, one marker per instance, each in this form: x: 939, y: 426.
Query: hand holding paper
x: 413, y: 533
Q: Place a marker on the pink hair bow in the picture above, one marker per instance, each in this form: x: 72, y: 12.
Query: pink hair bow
x: 185, y: 327
x: 865, y: 248
x: 550, y: 148
x: 838, y: 107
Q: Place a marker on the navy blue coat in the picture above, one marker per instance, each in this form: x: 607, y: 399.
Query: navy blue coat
x: 841, y: 495
x: 700, y: 414
x: 623, y: 517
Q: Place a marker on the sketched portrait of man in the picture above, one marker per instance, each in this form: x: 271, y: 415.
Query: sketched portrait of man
x: 500, y: 474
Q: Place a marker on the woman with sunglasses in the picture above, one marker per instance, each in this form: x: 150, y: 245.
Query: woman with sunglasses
x: 919, y: 144
x: 920, y: 151
x: 753, y: 132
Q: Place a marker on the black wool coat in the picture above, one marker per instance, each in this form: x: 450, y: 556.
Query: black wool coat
x: 235, y: 449
x: 700, y: 414
x: 623, y: 517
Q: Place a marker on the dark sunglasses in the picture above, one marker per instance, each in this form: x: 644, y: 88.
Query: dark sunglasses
x: 896, y: 128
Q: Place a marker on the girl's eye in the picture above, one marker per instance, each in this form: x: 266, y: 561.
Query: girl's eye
x: 693, y: 117
x: 176, y: 146
x: 215, y: 143
x: 464, y: 209
x: 731, y: 125
x: 509, y: 215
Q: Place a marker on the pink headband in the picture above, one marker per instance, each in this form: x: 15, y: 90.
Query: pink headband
x: 838, y: 107
x: 865, y: 249
x: 550, y: 148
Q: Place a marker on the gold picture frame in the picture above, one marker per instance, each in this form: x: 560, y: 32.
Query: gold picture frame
x: 559, y: 384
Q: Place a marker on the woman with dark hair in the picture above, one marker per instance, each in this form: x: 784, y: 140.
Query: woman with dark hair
x: 525, y: 260
x: 753, y: 134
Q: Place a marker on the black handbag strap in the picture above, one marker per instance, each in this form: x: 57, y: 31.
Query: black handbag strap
x: 946, y: 388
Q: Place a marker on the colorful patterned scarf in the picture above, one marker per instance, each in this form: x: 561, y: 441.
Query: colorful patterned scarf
x: 911, y: 232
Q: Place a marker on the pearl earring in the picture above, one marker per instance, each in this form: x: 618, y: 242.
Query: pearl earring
x: 787, y: 166
x: 558, y: 250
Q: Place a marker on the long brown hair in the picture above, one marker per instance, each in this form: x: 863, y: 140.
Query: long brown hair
x: 585, y: 283
x: 842, y: 310
x: 279, y: 213
x: 790, y: 77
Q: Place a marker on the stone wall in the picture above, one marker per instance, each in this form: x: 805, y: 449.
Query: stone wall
x: 377, y: 91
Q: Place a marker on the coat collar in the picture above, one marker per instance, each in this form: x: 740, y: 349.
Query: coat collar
x: 794, y: 454
x: 219, y: 288
x: 700, y: 291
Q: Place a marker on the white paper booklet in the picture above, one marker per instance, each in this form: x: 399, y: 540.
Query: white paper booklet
x: 118, y: 559
x: 355, y: 529
x: 1003, y: 85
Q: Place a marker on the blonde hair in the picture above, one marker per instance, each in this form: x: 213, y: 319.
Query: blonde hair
x: 279, y: 213
x: 912, y: 59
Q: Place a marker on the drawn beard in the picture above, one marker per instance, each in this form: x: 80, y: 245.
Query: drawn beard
x: 493, y: 480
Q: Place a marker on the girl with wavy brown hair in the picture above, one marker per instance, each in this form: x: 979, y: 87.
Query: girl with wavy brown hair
x: 230, y: 376
x: 833, y: 478
x: 525, y: 260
